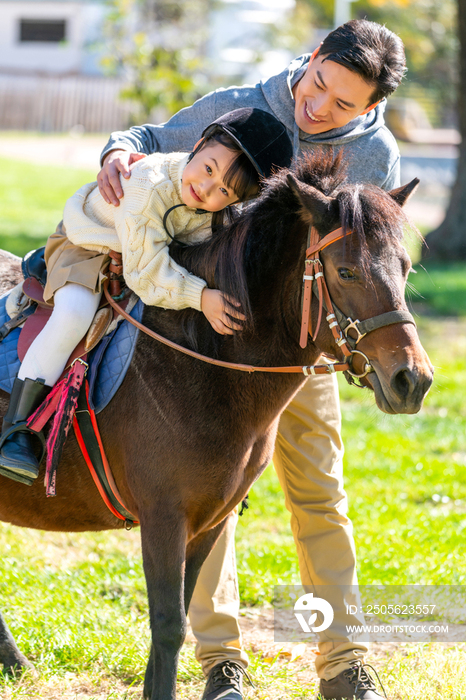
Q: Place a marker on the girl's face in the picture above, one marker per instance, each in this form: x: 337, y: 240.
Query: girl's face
x: 202, y: 185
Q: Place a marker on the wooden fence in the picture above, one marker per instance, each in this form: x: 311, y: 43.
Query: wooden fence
x: 43, y: 103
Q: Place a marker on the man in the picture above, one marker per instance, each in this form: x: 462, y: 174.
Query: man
x: 334, y: 99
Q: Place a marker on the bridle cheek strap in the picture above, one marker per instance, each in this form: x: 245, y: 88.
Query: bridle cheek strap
x: 339, y: 338
x: 306, y: 321
x: 314, y: 271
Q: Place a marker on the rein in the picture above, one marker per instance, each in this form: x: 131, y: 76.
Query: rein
x: 314, y: 282
x: 311, y: 369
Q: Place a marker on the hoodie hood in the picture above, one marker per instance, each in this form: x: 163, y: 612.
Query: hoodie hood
x: 277, y: 91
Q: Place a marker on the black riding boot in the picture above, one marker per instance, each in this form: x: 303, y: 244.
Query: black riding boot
x: 18, y: 459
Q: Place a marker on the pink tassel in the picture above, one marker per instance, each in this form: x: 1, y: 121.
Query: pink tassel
x: 39, y: 418
x: 62, y: 401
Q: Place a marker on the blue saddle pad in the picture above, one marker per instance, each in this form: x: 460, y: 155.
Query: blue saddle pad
x: 110, y: 359
x: 108, y: 362
x: 9, y: 361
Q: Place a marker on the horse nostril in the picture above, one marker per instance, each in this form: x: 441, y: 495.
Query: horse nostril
x: 403, y: 383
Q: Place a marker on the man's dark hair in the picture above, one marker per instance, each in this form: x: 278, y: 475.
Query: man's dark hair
x: 369, y: 49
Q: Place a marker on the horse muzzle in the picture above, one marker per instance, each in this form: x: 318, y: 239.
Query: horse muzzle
x: 402, y: 372
x: 405, y: 391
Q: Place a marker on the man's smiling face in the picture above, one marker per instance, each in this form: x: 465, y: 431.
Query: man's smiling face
x: 329, y: 96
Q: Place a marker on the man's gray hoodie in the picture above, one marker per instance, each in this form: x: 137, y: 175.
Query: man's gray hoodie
x: 370, y: 150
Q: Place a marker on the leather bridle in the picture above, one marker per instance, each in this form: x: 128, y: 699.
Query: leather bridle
x: 314, y: 283
x: 340, y: 325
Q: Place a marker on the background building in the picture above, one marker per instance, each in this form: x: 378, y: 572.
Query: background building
x: 52, y: 57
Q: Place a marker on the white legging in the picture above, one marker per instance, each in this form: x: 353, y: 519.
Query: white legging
x: 73, y: 311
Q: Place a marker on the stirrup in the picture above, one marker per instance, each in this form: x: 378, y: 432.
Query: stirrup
x: 23, y: 428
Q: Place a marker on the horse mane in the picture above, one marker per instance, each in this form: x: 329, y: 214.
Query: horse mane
x: 230, y: 259
x: 365, y: 210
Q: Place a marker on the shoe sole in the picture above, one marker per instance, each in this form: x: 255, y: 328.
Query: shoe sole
x: 15, y: 467
x: 17, y: 477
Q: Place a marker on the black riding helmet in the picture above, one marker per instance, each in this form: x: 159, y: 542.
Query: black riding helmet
x: 261, y: 137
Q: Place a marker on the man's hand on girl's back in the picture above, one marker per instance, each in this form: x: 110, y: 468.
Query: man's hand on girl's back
x: 108, y: 179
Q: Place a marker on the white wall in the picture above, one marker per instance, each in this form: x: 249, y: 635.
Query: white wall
x: 238, y: 36
x: 75, y: 55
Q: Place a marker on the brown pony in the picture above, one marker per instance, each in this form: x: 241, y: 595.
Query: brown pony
x: 187, y: 439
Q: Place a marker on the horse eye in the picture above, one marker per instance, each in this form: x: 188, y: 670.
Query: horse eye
x: 346, y: 274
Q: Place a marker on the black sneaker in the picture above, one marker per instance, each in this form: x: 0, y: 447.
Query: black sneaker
x: 225, y: 682
x: 352, y: 684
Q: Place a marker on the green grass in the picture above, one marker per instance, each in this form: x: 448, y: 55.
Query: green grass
x: 436, y: 288
x: 442, y: 287
x: 77, y: 603
x: 32, y: 198
x: 405, y: 475
x: 396, y: 468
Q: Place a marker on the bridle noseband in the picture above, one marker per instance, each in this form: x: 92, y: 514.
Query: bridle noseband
x: 314, y: 283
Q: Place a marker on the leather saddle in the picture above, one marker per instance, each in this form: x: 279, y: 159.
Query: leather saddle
x: 33, y: 265
x: 35, y: 274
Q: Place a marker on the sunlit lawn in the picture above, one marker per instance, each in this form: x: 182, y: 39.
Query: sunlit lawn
x: 77, y: 604
x: 32, y: 198
x: 442, y: 287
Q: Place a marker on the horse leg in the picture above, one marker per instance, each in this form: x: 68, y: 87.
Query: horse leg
x: 196, y: 554
x: 10, y: 656
x: 163, y: 537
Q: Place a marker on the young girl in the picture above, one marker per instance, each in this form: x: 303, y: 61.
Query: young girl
x: 168, y: 195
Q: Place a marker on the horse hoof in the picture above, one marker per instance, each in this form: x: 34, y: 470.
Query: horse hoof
x: 17, y: 666
x: 147, y: 692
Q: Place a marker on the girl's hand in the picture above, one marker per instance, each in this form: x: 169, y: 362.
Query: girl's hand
x: 108, y: 179
x: 216, y: 308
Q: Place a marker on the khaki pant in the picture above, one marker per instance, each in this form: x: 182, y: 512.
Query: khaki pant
x: 308, y: 461
x: 67, y: 262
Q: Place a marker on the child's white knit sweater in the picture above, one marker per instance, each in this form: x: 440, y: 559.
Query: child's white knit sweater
x: 135, y: 229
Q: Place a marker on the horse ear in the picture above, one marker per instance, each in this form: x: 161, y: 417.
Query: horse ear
x: 315, y: 206
x: 403, y: 193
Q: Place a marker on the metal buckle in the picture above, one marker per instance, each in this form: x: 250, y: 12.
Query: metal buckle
x: 81, y: 361
x: 353, y: 325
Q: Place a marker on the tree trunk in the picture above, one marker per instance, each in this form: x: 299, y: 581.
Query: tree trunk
x: 448, y: 241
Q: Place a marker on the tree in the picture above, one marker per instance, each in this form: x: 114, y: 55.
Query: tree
x: 158, y: 46
x: 448, y: 241
x: 428, y: 31
x: 160, y: 78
